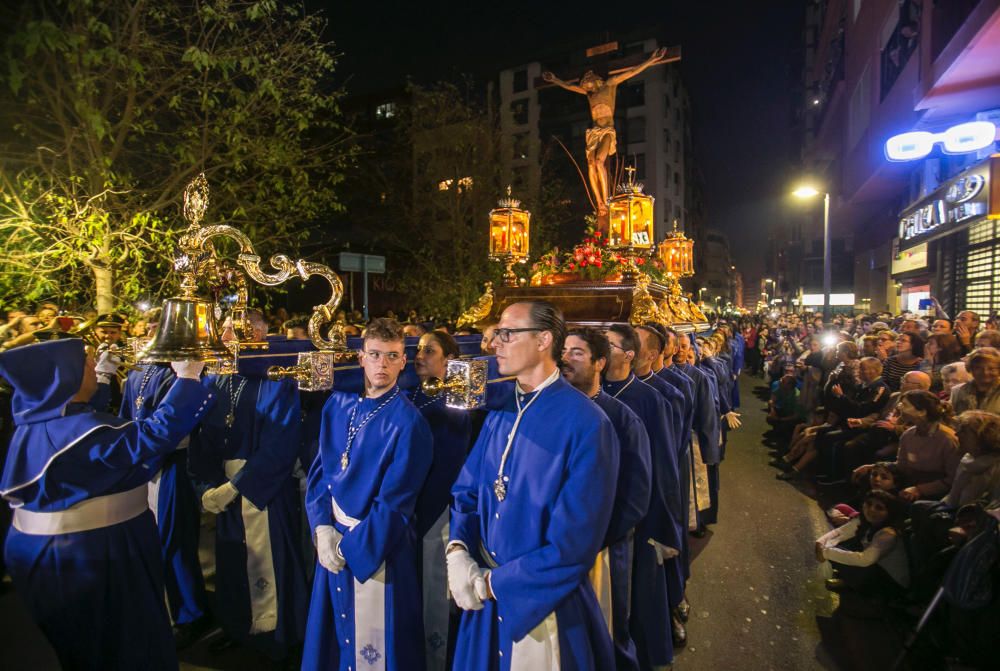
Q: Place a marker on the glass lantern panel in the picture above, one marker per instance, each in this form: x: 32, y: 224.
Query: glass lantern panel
x: 498, y: 234
x: 519, y: 234
x: 642, y: 223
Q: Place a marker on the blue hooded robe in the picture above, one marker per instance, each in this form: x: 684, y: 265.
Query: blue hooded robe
x: 542, y: 539
x: 631, y: 503
x: 683, y: 383
x: 172, y: 500
x: 368, y: 616
x: 650, y: 618
x: 261, y: 586
x: 97, y: 592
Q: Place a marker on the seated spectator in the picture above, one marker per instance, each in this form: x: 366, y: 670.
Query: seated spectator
x: 784, y: 411
x: 952, y: 375
x: 867, y: 553
x: 909, y: 354
x: 928, y: 451
x: 881, y: 435
x: 939, y: 351
x: 886, y: 343
x: 941, y: 327
x: 414, y: 330
x: 978, y: 471
x: 983, y: 391
x: 884, y: 475
x: 966, y: 327
x: 990, y: 338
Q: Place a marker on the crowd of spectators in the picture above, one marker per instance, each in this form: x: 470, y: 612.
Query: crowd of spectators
x: 897, y: 421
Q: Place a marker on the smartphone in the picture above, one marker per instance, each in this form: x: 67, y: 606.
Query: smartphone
x: 925, y: 304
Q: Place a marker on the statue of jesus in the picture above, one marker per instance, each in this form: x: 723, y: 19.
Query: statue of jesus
x: 601, y: 138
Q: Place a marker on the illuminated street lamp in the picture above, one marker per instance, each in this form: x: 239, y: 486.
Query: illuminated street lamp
x: 806, y: 191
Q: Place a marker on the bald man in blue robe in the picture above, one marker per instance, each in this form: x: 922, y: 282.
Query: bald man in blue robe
x: 84, y: 552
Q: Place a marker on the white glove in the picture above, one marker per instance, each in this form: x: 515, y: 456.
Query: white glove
x: 663, y: 552
x: 465, y: 580
x: 216, y: 499
x: 328, y: 548
x: 108, y: 363
x: 189, y: 370
x: 733, y: 419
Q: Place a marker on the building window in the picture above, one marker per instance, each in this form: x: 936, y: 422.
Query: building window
x: 677, y: 149
x: 640, y: 165
x: 978, y: 270
x: 521, y: 145
x: 666, y: 137
x: 385, y: 111
x: 667, y: 171
x: 520, y: 80
x: 519, y: 111
x: 634, y: 94
x: 635, y: 129
x: 666, y: 105
x: 900, y: 44
x: 668, y: 209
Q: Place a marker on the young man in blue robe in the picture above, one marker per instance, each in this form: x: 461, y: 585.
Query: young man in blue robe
x: 706, y: 427
x: 658, y: 535
x: 530, y: 513
x: 452, y: 432
x: 175, y: 507
x: 241, y: 461
x: 584, y: 357
x: 374, y: 455
x: 84, y: 552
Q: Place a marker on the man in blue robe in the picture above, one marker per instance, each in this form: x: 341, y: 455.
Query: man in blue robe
x: 241, y: 461
x: 530, y: 513
x: 84, y: 551
x: 663, y: 346
x: 584, y: 358
x: 374, y: 455
x: 658, y: 535
x: 175, y: 507
x: 706, y: 427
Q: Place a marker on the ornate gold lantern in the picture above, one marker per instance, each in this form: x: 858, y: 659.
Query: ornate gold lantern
x: 676, y: 252
x: 630, y: 222
x: 509, y: 236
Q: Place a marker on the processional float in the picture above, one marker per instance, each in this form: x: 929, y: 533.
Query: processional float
x: 617, y: 275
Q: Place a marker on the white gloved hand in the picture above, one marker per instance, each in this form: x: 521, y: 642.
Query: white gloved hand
x: 465, y: 580
x: 108, y: 363
x: 189, y: 370
x: 328, y: 548
x: 216, y: 500
x: 663, y: 552
x: 733, y: 419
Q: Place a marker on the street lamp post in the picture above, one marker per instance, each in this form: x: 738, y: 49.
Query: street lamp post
x: 809, y: 192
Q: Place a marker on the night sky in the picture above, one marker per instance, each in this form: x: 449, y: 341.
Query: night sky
x: 741, y: 64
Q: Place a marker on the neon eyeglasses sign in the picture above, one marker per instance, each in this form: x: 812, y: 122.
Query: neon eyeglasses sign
x: 960, y: 139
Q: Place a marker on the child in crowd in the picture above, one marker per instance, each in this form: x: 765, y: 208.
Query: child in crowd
x: 884, y: 476
x: 867, y: 552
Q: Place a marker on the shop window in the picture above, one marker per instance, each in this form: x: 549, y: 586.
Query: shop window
x: 977, y: 270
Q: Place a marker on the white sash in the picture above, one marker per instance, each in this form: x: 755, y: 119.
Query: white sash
x: 260, y: 560
x: 600, y: 579
x: 700, y: 498
x: 153, y: 495
x: 436, y: 605
x: 369, y: 610
x: 539, y: 650
x: 94, y: 513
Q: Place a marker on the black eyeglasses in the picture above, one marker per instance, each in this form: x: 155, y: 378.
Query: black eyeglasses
x: 503, y: 335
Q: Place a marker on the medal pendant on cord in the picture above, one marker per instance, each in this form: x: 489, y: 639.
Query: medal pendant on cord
x: 344, y: 461
x: 500, y: 488
x: 230, y: 420
x: 139, y: 401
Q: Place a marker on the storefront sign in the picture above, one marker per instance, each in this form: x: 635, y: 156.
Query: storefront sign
x: 957, y: 201
x: 914, y: 258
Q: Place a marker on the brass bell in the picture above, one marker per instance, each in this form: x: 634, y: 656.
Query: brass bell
x: 187, y: 332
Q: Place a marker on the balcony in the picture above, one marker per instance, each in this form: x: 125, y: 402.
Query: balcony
x: 903, y: 41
